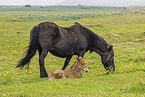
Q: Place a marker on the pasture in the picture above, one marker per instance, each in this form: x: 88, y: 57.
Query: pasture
x: 124, y: 30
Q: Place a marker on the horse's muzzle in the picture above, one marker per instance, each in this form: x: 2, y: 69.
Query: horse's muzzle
x: 86, y: 70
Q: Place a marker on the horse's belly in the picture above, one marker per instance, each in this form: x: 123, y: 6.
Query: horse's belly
x: 62, y: 52
x: 64, y: 47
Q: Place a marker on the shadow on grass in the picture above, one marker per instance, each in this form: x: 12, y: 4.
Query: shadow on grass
x: 117, y: 72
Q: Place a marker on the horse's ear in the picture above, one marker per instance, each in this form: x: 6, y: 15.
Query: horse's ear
x: 110, y: 48
x: 76, y: 23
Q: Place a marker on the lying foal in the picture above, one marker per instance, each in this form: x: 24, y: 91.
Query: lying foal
x: 73, y: 72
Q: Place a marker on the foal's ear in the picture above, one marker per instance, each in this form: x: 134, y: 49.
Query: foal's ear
x: 78, y: 58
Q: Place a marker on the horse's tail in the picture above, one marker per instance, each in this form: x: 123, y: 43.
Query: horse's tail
x: 34, y: 37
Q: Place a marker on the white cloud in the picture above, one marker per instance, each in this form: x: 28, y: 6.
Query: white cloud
x: 104, y: 2
x: 31, y: 2
x: 75, y: 2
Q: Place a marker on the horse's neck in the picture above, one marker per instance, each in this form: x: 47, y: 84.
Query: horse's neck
x: 98, y: 44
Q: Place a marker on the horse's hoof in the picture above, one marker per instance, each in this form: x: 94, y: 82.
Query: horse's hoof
x: 43, y: 75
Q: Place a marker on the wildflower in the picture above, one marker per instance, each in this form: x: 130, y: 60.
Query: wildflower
x: 5, y: 74
x: 100, y: 72
x: 26, y: 45
x: 21, y: 44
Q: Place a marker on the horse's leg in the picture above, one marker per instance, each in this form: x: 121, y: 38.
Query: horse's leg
x: 39, y: 50
x: 42, y: 56
x: 81, y: 53
x: 66, y: 62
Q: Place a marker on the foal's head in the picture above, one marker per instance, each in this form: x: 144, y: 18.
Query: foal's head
x: 81, y: 64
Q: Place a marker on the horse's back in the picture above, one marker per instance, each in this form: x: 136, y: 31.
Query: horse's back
x: 48, y: 34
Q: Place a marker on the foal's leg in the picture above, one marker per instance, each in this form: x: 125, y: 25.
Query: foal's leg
x: 42, y: 56
x: 66, y: 62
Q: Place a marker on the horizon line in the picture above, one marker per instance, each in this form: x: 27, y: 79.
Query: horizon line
x: 73, y: 5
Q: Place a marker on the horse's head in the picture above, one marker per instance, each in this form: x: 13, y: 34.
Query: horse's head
x: 82, y: 64
x: 108, y: 59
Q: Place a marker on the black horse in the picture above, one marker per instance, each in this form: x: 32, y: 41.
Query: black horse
x: 66, y: 42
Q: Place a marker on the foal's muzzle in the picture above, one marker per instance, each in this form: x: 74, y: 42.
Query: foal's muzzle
x: 86, y: 70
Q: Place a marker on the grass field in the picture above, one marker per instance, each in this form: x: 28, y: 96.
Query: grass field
x: 126, y: 32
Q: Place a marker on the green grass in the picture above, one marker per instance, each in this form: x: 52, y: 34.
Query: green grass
x: 126, y: 32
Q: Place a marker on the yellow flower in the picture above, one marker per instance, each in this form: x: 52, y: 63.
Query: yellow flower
x: 5, y: 74
x: 26, y: 45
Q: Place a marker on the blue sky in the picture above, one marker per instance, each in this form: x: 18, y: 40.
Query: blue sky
x: 75, y: 2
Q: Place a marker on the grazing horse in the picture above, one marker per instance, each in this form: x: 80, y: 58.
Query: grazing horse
x: 73, y: 72
x: 66, y: 42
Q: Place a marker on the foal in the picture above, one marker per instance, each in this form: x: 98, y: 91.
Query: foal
x: 73, y: 72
